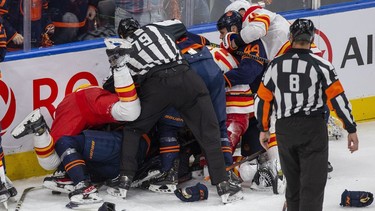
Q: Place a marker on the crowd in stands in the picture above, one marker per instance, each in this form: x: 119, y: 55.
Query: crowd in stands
x: 54, y: 22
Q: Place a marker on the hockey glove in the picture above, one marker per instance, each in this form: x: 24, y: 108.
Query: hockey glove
x: 191, y: 194
x: 227, y: 41
x: 356, y: 198
x: 116, y: 57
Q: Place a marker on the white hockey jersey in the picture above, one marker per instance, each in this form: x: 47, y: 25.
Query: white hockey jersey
x: 239, y: 98
x: 271, y: 28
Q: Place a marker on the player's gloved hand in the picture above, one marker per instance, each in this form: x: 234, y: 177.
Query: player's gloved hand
x: 356, y: 198
x: 191, y: 194
x: 116, y: 57
x: 228, y: 43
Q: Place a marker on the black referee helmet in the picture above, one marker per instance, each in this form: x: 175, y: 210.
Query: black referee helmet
x: 127, y: 26
x: 302, y: 30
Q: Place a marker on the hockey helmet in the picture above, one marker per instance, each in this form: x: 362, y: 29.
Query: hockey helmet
x: 127, y: 26
x: 238, y: 5
x: 302, y: 30
x: 230, y: 18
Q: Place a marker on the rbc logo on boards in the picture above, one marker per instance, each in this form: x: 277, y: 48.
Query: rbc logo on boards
x: 8, y: 107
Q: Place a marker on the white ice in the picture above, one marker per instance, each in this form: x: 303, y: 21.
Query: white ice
x: 351, y: 171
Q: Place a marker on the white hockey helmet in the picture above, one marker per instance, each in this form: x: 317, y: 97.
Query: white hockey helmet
x: 237, y: 5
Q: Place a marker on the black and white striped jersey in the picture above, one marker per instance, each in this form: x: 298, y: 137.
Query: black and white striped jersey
x: 300, y: 82
x: 152, y: 46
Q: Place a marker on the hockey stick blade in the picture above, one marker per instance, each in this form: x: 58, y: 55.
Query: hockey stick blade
x: 23, y: 196
x: 75, y: 206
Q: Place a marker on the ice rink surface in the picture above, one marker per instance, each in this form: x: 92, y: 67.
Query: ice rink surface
x: 354, y: 172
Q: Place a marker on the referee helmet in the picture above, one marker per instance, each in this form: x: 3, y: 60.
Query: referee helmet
x: 302, y: 30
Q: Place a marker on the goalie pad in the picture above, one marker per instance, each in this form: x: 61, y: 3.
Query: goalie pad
x: 356, y: 198
x: 194, y: 193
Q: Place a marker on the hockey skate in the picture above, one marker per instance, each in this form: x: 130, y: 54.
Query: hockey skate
x: 4, y: 195
x: 119, y: 186
x: 166, y: 182
x: 279, y: 180
x: 143, y: 180
x: 10, y: 187
x: 147, y: 172
x: 84, y: 196
x: 33, y: 123
x: 233, y: 178
x: 59, y: 182
x: 229, y: 192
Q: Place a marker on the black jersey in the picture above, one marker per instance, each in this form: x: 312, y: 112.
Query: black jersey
x: 300, y: 82
x: 152, y: 46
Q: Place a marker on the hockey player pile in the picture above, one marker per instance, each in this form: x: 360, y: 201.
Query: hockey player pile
x: 154, y: 124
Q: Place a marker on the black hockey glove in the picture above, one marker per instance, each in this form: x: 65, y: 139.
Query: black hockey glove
x: 194, y: 193
x: 356, y: 198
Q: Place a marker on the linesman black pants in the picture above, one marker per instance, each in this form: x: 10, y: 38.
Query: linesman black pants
x: 184, y: 90
x: 303, y: 150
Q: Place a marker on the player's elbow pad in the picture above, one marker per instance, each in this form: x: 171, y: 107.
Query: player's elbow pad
x: 126, y: 111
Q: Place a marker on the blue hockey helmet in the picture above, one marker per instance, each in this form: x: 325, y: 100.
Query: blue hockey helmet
x: 229, y: 19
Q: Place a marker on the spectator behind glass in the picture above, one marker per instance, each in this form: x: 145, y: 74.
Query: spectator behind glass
x: 144, y: 11
x: 3, y: 41
x: 41, y: 27
x: 70, y: 18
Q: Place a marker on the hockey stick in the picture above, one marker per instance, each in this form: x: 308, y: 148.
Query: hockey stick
x: 248, y: 158
x: 23, y: 196
x: 240, y: 53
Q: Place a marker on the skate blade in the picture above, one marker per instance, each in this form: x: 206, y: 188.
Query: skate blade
x: 150, y: 175
x: 52, y: 186
x: 116, y: 192
x: 226, y: 198
x: 163, y: 188
x: 86, y: 206
x: 261, y: 189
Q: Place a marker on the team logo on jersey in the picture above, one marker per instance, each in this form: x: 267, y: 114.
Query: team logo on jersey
x: 323, y: 43
x: 7, y: 101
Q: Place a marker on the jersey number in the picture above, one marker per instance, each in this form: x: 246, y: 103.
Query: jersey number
x: 294, y: 82
x: 144, y: 39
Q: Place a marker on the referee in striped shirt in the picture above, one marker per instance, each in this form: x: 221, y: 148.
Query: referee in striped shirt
x: 166, y: 80
x: 296, y: 86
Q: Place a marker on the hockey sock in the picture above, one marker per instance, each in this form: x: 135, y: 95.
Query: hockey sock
x: 227, y: 151
x: 68, y: 150
x: 169, y: 151
x: 273, y: 151
x: 124, y: 85
x: 129, y: 107
x: 45, y: 151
